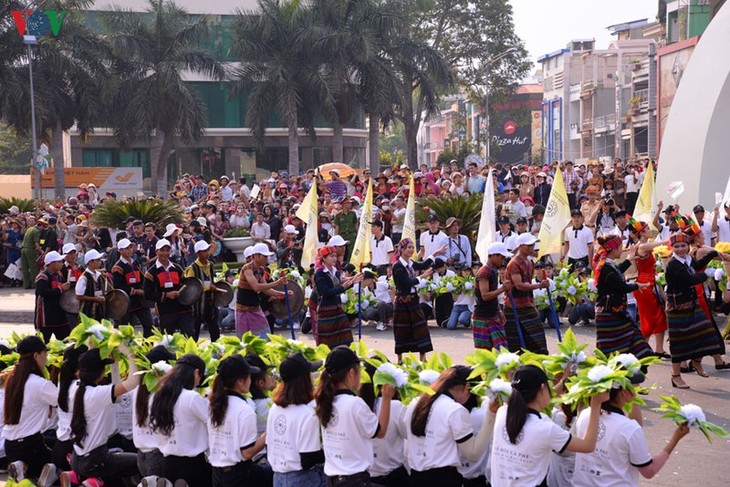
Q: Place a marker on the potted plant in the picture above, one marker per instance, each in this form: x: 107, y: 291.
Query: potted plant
x: 237, y: 240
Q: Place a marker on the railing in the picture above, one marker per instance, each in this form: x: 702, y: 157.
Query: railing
x: 642, y: 95
x: 587, y: 125
x: 605, y: 122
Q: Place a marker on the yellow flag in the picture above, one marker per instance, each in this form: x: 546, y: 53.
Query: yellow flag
x: 361, y: 251
x: 409, y: 223
x: 645, y: 204
x: 308, y: 212
x: 557, y: 217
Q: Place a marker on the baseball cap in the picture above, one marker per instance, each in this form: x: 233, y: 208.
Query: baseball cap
x: 575, y: 212
x: 296, y: 366
x: 498, y: 248
x: 91, y: 361
x: 432, y: 218
x: 159, y: 353
x: 522, y: 219
x: 503, y: 219
x: 235, y: 367
x: 31, y: 344
x: 698, y: 208
x: 541, y: 175
x: 193, y: 361
x: 337, y: 241
x: 163, y: 242
x: 72, y: 354
x: 123, y: 243
x: 291, y: 229
x: 257, y: 364
x: 261, y: 248
x: 526, y: 239
x: 52, y: 257
x: 201, y: 245
x: 203, y: 221
x: 340, y: 359
x: 68, y: 248
x: 92, y: 254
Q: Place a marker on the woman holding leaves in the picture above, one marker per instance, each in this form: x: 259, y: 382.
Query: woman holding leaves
x: 67, y: 384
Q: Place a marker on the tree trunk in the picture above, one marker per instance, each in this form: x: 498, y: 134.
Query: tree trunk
x: 374, y: 143
x: 337, y: 150
x: 411, y: 131
x: 59, y: 186
x: 163, y: 147
x: 293, y: 147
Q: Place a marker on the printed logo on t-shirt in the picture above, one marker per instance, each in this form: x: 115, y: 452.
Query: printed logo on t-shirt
x: 601, y: 431
x: 335, y: 418
x: 505, y: 436
x: 280, y: 425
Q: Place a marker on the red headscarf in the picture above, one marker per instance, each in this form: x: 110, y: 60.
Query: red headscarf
x: 599, y: 259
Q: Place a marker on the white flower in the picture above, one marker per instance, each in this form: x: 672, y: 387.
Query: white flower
x: 468, y: 285
x: 538, y: 293
x: 693, y: 413
x: 500, y: 386
x: 428, y: 376
x: 571, y: 290
x: 5, y: 343
x: 295, y: 274
x: 294, y: 343
x: 450, y: 287
x: 629, y: 361
x: 98, y: 330
x: 592, y: 285
x: 576, y: 358
x: 598, y: 372
x: 165, y: 341
x: 343, y: 298
x: 365, y: 304
x: 719, y: 273
x: 401, y: 378
x: 422, y: 283
x: 553, y: 287
x: 710, y: 272
x: 506, y: 358
x: 162, y: 367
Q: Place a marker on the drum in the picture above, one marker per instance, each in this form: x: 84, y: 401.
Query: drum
x: 190, y: 291
x: 296, y: 300
x: 69, y: 302
x: 117, y: 304
x: 224, y: 294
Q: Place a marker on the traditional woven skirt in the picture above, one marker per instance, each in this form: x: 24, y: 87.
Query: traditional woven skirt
x: 333, y: 327
x: 615, y: 332
x: 409, y: 326
x: 692, y: 335
x: 489, y: 332
x: 531, y: 326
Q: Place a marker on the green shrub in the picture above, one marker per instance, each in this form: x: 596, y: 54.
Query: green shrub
x: 113, y: 214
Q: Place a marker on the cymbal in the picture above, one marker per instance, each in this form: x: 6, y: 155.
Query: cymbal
x: 69, y: 302
x: 117, y: 304
x: 190, y: 291
x: 224, y: 295
x: 296, y: 300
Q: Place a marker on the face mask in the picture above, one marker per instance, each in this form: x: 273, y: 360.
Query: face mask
x: 386, y: 207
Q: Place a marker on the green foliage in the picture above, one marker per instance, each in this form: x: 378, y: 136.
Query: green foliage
x: 15, y: 152
x: 448, y: 155
x: 23, y: 204
x: 237, y: 233
x: 467, y: 210
x: 674, y: 410
x: 112, y: 214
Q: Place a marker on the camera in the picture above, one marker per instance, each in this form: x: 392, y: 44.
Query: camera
x: 610, y: 202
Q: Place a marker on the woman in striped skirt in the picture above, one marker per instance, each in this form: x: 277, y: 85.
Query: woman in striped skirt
x: 691, y: 333
x: 410, y: 328
x: 615, y: 330
x: 333, y: 327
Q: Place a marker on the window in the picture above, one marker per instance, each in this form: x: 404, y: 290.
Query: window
x: 117, y: 158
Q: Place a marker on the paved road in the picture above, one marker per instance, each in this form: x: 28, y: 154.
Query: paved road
x: 693, y: 461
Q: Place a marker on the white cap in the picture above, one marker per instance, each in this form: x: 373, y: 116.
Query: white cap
x: 355, y: 199
x: 124, y: 243
x: 163, y: 242
x: 291, y: 229
x: 261, y: 248
x: 13, y: 210
x: 248, y: 252
x: 203, y: 221
x: 52, y: 257
x: 170, y: 229
x: 526, y: 239
x: 92, y: 254
x: 201, y: 245
x: 541, y: 175
x: 337, y: 241
x: 68, y: 248
x: 336, y: 171
x: 498, y: 248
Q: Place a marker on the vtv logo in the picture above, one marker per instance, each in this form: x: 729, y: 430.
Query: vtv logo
x: 38, y: 23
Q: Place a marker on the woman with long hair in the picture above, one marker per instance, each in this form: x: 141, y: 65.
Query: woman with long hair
x: 410, y: 328
x: 615, y: 330
x: 179, y: 417
x: 67, y: 384
x: 262, y: 383
x: 348, y: 425
x: 439, y: 431
x: 293, y: 439
x: 93, y: 421
x: 232, y: 433
x: 333, y: 327
x: 149, y: 459
x: 521, y: 431
x: 28, y: 397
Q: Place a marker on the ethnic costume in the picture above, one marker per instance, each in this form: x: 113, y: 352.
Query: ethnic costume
x: 527, y: 314
x: 50, y: 318
x: 333, y: 327
x: 204, y: 309
x: 651, y: 311
x: 71, y: 273
x: 703, y: 301
x: 487, y: 321
x: 127, y: 276
x: 409, y: 325
x: 92, y: 284
x: 249, y: 315
x: 159, y: 280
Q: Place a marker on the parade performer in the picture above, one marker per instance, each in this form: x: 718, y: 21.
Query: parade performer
x: 519, y: 274
x: 410, y: 328
x: 691, y: 333
x: 649, y: 300
x: 487, y: 322
x: 70, y: 272
x: 50, y: 318
x: 204, y: 309
x: 615, y: 330
x: 162, y: 286
x: 251, y: 282
x: 127, y: 276
x: 91, y: 287
x: 333, y: 327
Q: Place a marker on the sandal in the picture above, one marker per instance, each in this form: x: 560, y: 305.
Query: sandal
x: 723, y: 366
x: 688, y: 369
x: 697, y: 365
x: 678, y: 386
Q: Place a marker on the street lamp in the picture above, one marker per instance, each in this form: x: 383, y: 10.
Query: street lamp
x: 489, y: 63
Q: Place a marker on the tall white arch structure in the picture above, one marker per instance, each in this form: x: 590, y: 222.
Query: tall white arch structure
x: 696, y: 143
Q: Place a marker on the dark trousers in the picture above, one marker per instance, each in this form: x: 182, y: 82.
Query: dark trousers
x: 32, y: 450
x: 61, y: 332
x: 244, y: 473
x: 61, y: 454
x: 442, y: 308
x: 210, y: 318
x: 194, y: 470
x: 572, y: 201
x: 182, y: 322
x: 396, y: 478
x: 112, y: 468
x: 436, y: 477
x: 382, y: 311
x: 631, y: 199
x: 140, y: 317
x: 151, y: 463
x: 427, y: 310
x: 361, y: 479
x: 480, y: 481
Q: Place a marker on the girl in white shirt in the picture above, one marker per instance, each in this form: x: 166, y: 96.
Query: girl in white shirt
x: 440, y: 431
x: 348, y: 425
x: 180, y: 415
x: 522, y: 432
x: 93, y: 421
x: 67, y: 384
x: 232, y: 425
x: 293, y: 439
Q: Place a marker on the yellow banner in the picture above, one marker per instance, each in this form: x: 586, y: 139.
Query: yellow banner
x: 308, y: 212
x: 645, y: 204
x: 361, y: 251
x: 409, y: 223
x: 557, y: 217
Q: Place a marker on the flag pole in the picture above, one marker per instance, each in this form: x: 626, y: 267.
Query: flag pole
x: 359, y: 309
x: 517, y: 321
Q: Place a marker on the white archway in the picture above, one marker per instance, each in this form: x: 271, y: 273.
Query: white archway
x: 696, y: 143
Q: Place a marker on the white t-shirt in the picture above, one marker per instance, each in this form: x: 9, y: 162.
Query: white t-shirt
x: 579, y: 240
x: 620, y: 450
x: 631, y: 186
x: 399, y: 215
x: 238, y: 431
x: 123, y: 410
x: 706, y: 228
x: 624, y: 234
x: 348, y: 438
x: 388, y: 451
x: 562, y: 465
x: 39, y: 395
x: 431, y: 243
x: 474, y: 469
x: 526, y: 462
x: 379, y: 250
x: 80, y: 288
x: 189, y: 437
x: 100, y: 420
x: 382, y: 290
x: 144, y: 438
x: 723, y: 230
x: 448, y: 424
x: 290, y: 431
x: 261, y: 408
x: 63, y: 429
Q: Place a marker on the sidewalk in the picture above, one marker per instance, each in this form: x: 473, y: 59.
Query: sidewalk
x: 16, y: 306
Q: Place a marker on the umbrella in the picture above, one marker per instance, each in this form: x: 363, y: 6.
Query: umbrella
x: 345, y: 170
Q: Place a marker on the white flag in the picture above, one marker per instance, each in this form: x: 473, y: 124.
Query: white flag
x: 487, y: 225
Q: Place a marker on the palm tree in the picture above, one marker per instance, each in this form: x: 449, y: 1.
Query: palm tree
x: 149, y: 56
x: 278, y: 71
